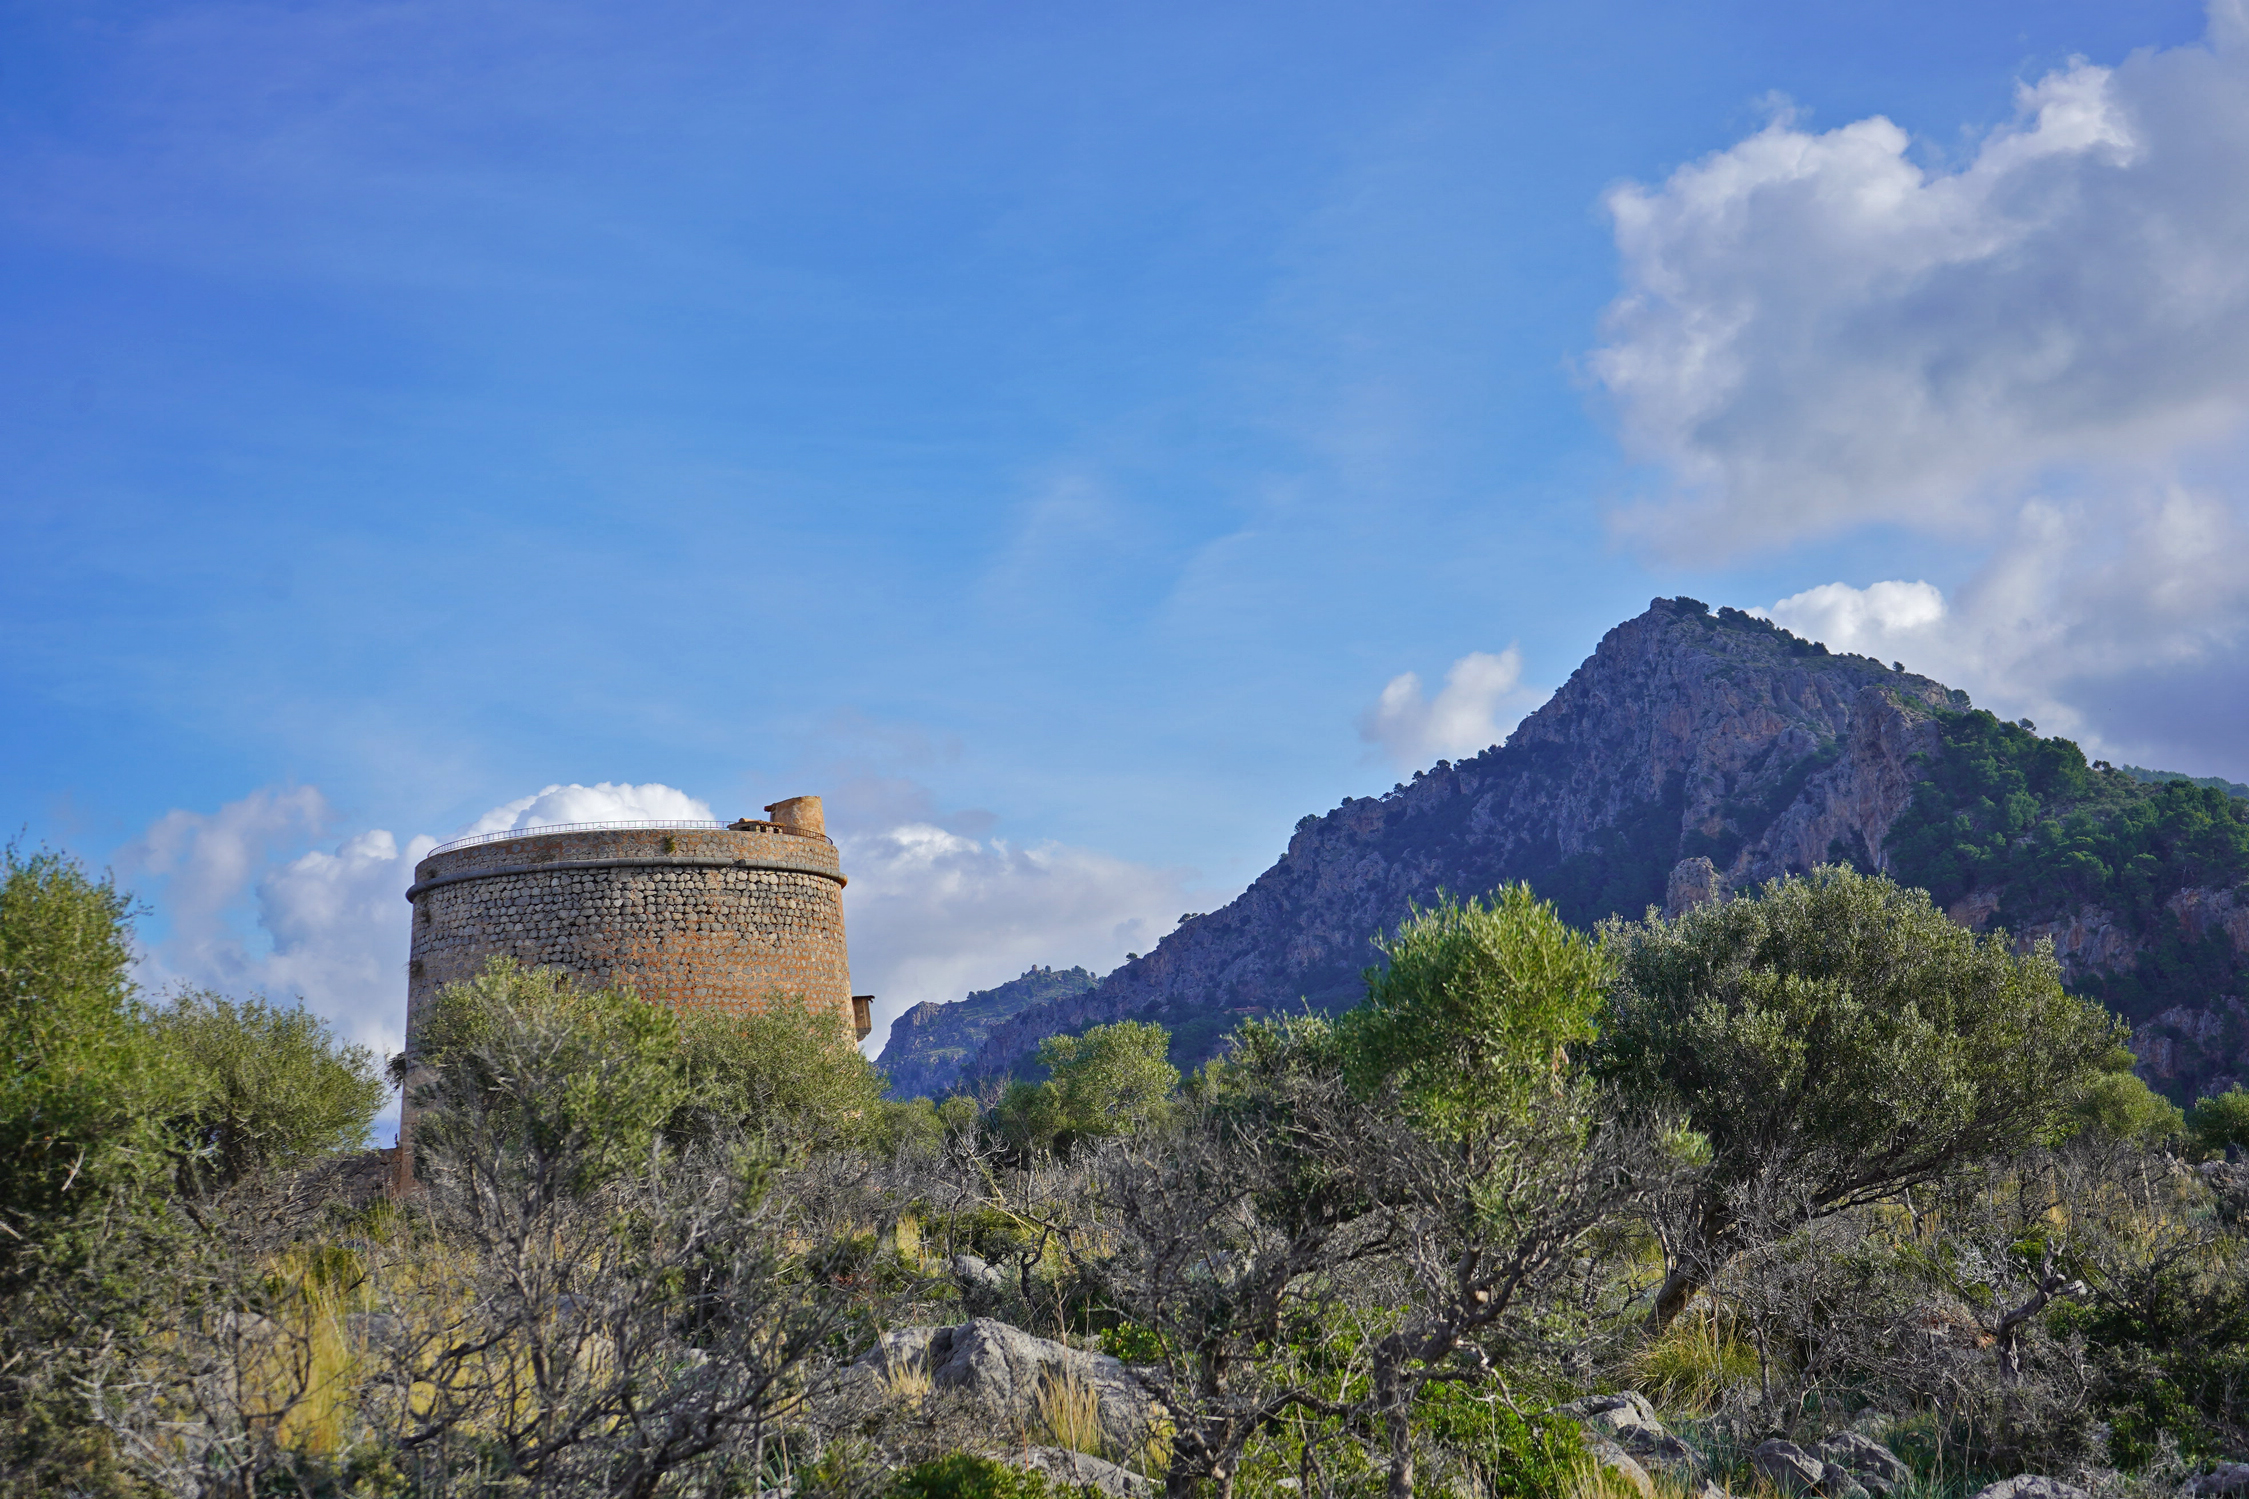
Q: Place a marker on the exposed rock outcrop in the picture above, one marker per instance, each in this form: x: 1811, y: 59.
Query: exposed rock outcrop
x: 2204, y: 912
x: 2193, y: 1049
x: 1075, y: 1470
x: 2085, y: 939
x: 929, y: 1044
x: 1792, y: 1470
x: 1694, y: 882
x: 1619, y: 1467
x: 1873, y: 1466
x: 1003, y: 1369
x: 2030, y: 1486
x: 1630, y: 1423
x: 2226, y: 1479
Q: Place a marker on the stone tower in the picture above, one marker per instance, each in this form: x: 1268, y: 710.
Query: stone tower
x: 693, y: 915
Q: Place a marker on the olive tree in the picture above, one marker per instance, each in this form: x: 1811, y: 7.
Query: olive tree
x: 2115, y: 1105
x: 2219, y: 1124
x: 271, y: 1085
x: 789, y: 1073
x: 86, y: 1091
x: 1111, y: 1080
x: 536, y: 1085
x: 1837, y: 1041
x: 86, y: 1165
x: 1234, y: 1234
x: 1488, y: 1161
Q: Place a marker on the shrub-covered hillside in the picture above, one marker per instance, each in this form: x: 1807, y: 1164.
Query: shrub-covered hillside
x: 2003, y: 810
x: 1814, y: 1191
x: 2028, y: 825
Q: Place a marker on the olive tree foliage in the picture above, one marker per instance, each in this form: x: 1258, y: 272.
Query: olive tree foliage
x: 537, y: 1085
x: 1474, y: 1015
x: 85, y: 1162
x: 1111, y: 1080
x: 2219, y: 1124
x: 1488, y: 1158
x: 1234, y: 1234
x: 2114, y: 1105
x: 630, y: 1072
x: 1113, y: 1077
x: 272, y: 1087
x: 84, y: 1094
x: 788, y: 1073
x: 1836, y: 1040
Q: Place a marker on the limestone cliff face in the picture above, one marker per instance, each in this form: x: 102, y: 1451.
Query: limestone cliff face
x: 2204, y: 912
x: 929, y: 1044
x: 1685, y: 735
x: 2091, y: 939
x: 2191, y: 1050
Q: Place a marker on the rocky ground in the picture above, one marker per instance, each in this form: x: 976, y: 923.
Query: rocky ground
x: 1000, y: 1374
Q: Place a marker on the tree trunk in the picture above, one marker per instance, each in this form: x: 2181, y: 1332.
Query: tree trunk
x: 1679, y: 1287
x: 2008, y: 1334
x: 1394, y: 1398
x: 1199, y: 1450
x: 1691, y: 1273
x: 1401, y: 1453
x: 1183, y: 1474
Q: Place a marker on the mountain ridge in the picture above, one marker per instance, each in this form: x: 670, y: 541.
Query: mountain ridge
x: 928, y: 1045
x: 1699, y: 751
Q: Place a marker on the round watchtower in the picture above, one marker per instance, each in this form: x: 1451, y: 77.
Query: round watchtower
x: 697, y: 915
x: 693, y: 915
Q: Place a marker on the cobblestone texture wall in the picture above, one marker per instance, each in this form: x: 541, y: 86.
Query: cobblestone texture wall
x: 693, y: 918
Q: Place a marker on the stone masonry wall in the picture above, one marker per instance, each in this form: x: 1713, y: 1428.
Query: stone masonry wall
x: 694, y: 918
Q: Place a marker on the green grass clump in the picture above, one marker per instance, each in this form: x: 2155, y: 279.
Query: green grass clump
x: 1693, y: 1364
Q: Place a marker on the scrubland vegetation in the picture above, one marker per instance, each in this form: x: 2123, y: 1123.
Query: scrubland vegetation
x: 1807, y: 1163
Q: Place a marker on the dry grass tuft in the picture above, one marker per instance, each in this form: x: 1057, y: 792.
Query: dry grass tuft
x: 907, y: 1383
x: 1070, y: 1415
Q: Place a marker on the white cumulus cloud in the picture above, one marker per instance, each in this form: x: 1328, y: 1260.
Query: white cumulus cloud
x: 2123, y: 629
x: 1844, y: 616
x: 205, y: 862
x: 932, y: 914
x: 605, y: 801
x: 337, y: 924
x: 1817, y: 330
x: 1482, y: 699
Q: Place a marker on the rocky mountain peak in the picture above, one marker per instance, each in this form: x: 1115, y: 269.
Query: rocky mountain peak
x: 1686, y: 734
x: 1696, y: 754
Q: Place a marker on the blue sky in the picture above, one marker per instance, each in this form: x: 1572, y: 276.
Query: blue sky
x: 1051, y: 433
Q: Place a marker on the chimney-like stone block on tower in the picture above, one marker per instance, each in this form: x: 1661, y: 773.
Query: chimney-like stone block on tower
x: 799, y: 814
